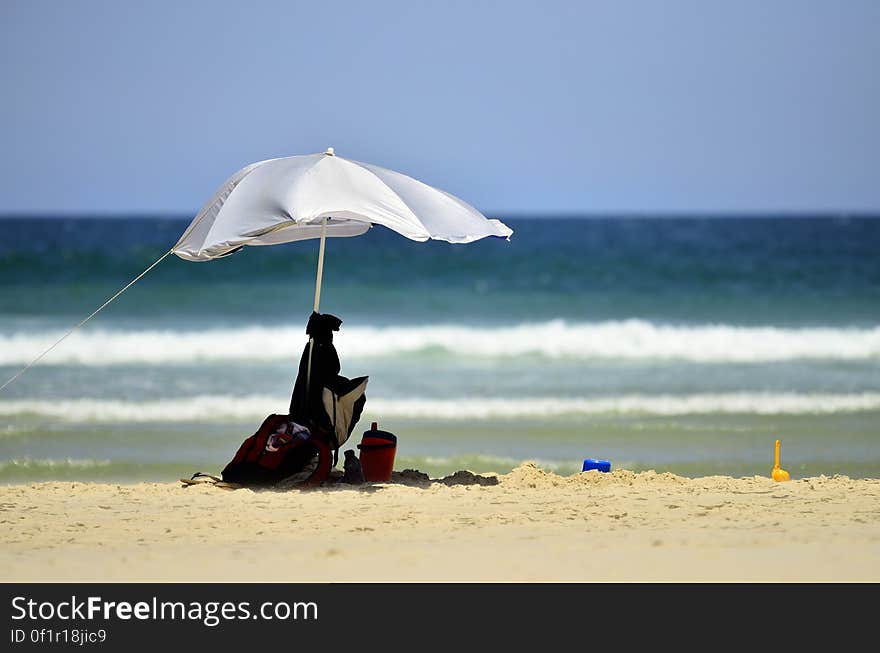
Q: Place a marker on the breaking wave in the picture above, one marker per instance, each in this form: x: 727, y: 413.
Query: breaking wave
x: 255, y: 407
x: 631, y: 340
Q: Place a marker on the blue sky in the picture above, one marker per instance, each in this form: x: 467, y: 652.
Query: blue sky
x: 517, y: 107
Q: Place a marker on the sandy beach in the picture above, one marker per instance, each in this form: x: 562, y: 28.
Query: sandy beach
x: 532, y: 526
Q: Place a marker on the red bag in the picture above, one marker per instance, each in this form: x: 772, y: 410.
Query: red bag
x: 280, y: 450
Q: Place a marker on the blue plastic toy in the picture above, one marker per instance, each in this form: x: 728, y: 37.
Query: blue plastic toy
x: 600, y: 465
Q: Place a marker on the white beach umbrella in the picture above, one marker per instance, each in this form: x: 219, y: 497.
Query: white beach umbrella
x: 325, y: 196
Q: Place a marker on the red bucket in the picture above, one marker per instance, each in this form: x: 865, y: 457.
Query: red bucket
x: 377, y: 454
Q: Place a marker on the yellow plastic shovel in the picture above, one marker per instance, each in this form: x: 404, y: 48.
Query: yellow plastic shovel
x: 778, y: 474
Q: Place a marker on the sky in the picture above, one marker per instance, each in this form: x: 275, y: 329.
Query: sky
x: 538, y: 107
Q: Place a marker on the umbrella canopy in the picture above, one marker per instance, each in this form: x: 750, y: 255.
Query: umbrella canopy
x: 315, y: 195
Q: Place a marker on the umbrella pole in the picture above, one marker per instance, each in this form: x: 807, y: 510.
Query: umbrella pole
x: 320, y: 265
x: 318, y: 280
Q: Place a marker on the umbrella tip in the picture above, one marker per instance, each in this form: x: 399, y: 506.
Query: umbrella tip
x: 330, y: 152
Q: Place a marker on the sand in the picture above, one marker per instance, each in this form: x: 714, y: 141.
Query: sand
x: 531, y: 526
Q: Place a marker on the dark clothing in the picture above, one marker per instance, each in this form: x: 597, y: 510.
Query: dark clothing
x: 307, y: 401
x: 308, y: 409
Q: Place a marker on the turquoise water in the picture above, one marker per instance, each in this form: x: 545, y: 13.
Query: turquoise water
x: 685, y: 345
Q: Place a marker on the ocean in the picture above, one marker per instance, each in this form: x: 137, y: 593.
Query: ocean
x: 684, y: 345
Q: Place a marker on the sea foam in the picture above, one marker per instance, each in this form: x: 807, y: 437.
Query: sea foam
x: 630, y: 340
x: 255, y: 407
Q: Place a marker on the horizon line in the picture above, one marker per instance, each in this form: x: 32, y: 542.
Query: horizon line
x: 511, y: 215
